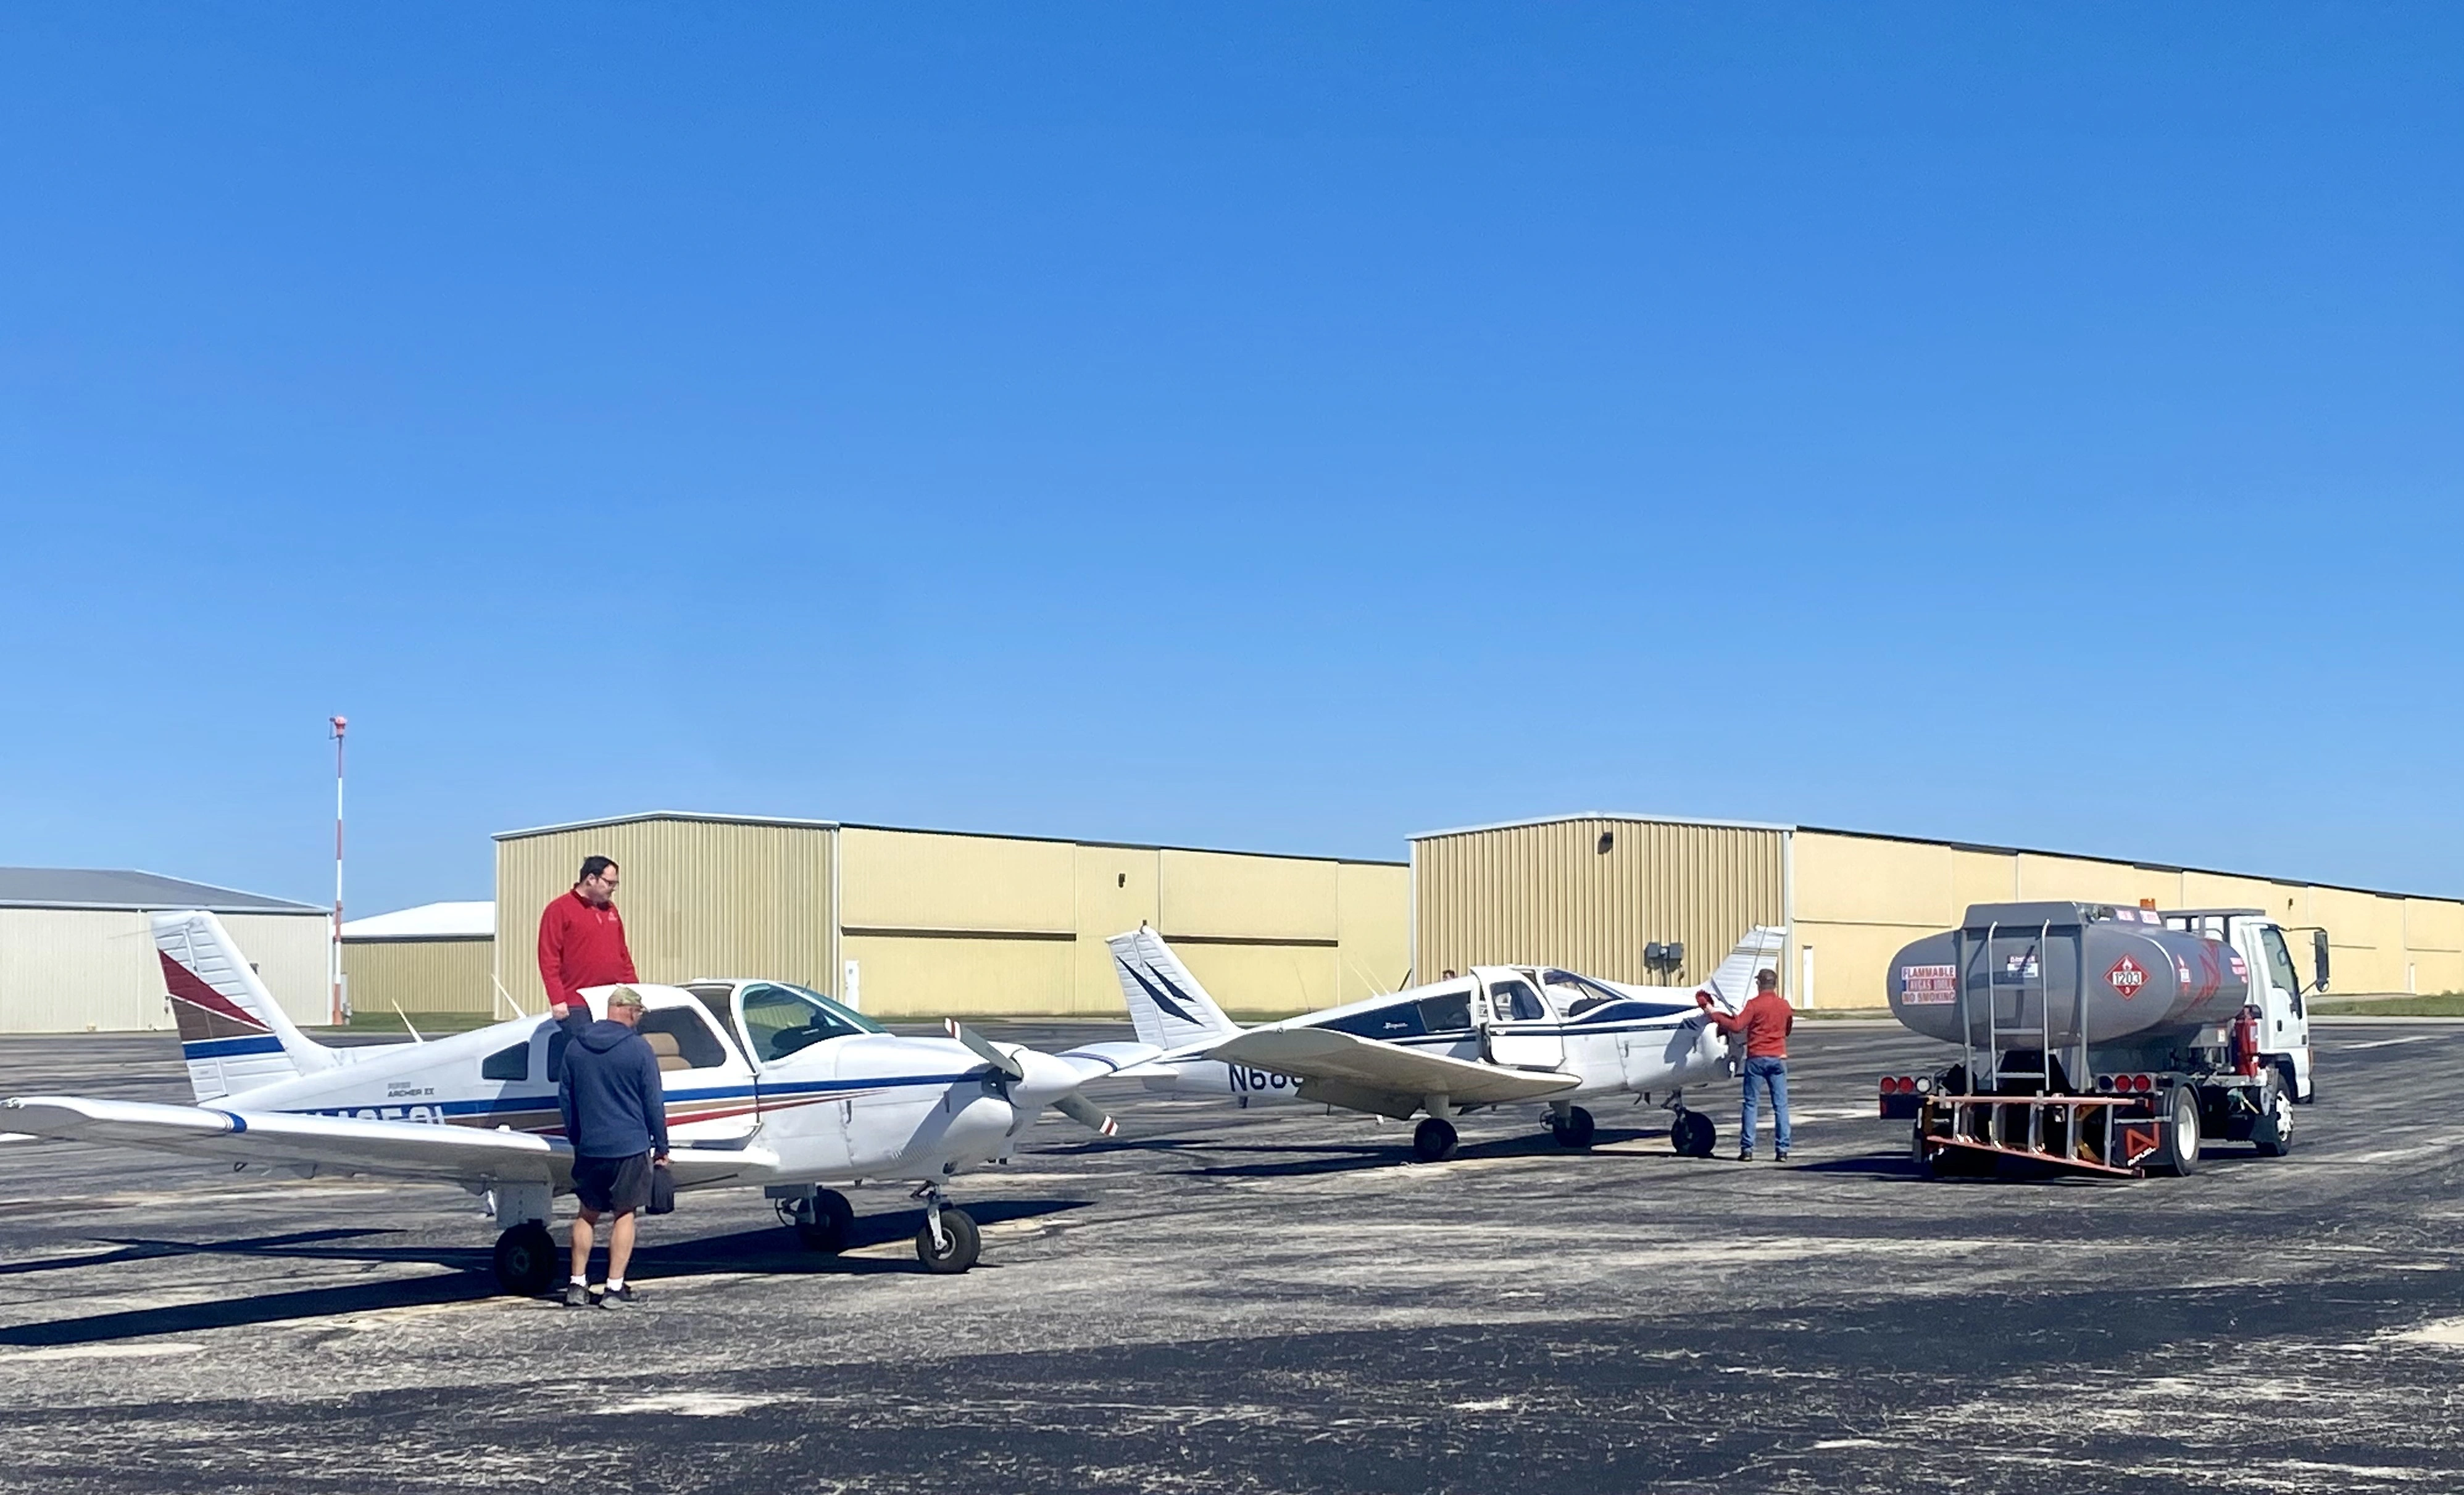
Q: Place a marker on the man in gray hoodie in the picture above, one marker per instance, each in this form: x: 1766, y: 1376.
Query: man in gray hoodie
x: 616, y: 1117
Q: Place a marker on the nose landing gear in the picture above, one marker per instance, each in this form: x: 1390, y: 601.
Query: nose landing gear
x: 950, y: 1243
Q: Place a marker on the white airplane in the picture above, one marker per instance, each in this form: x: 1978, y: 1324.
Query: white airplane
x: 767, y: 1085
x: 1498, y: 1036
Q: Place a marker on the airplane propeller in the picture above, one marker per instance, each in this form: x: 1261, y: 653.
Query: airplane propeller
x: 1072, y: 1105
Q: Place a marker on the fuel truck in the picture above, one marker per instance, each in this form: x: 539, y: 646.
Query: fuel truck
x: 2102, y: 1039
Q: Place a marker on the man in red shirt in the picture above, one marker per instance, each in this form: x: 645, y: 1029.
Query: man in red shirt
x: 1764, y: 1020
x: 581, y: 943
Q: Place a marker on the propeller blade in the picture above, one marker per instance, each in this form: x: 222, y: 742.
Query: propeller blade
x: 1087, y: 1114
x: 985, y: 1051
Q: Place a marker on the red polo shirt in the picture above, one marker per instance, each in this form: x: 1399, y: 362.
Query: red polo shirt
x: 581, y: 944
x: 1765, y: 1017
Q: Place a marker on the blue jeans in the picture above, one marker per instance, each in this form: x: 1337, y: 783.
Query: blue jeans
x: 1772, y: 1072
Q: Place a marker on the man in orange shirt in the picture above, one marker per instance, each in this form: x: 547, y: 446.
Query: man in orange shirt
x: 1764, y: 1020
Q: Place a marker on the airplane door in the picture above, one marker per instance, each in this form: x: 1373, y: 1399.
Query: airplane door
x: 708, y: 1085
x: 1518, y: 1029
x: 793, y: 1037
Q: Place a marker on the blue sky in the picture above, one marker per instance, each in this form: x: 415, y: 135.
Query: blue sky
x: 1271, y: 427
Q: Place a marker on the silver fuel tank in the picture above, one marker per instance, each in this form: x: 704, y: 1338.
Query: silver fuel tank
x: 2116, y: 971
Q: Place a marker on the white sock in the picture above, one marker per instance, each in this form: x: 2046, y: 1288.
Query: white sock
x: 615, y: 1284
x: 582, y: 1282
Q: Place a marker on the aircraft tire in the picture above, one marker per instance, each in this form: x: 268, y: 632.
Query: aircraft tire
x: 527, y: 1260
x: 1693, y: 1135
x: 1575, y: 1130
x: 966, y: 1243
x: 1433, y: 1140
x: 827, y: 1225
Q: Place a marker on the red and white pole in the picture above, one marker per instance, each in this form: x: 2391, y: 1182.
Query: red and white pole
x: 341, y: 725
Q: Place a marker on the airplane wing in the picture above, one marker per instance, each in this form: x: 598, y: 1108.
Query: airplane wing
x: 1345, y: 1063
x: 342, y: 1144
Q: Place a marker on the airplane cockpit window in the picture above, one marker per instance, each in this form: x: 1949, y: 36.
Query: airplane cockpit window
x: 1447, y: 1012
x: 556, y: 1039
x: 1515, y: 1001
x: 507, y: 1064
x: 1577, y: 993
x: 695, y: 1044
x: 780, y: 1019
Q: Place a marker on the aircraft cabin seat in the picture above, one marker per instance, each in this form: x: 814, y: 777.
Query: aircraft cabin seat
x: 670, y: 1057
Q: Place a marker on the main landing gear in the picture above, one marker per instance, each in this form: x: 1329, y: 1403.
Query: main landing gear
x: 1572, y: 1126
x: 824, y: 1221
x: 1433, y: 1140
x: 527, y: 1258
x: 949, y: 1242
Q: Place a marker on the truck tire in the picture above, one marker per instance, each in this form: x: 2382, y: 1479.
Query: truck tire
x: 2179, y: 1156
x: 2273, y: 1137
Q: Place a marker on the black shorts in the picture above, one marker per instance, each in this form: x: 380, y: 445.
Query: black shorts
x: 612, y: 1185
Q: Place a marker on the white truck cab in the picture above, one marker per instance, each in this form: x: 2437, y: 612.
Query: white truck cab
x: 2275, y: 988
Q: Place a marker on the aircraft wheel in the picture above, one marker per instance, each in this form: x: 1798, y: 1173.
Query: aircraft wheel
x: 1433, y: 1140
x: 2179, y: 1156
x: 1693, y: 1135
x: 527, y: 1258
x: 966, y: 1243
x: 826, y: 1224
x: 1575, y: 1130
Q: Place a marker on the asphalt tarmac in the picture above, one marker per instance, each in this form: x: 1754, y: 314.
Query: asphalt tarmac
x: 1281, y: 1299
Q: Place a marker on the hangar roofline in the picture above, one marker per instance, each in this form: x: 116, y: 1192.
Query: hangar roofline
x: 1949, y: 842
x: 1623, y: 815
x: 710, y: 818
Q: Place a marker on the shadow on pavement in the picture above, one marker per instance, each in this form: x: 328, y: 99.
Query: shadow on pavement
x: 771, y: 1250
x: 1342, y: 1158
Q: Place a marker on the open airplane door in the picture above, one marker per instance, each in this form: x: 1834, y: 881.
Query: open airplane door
x: 1517, y: 1028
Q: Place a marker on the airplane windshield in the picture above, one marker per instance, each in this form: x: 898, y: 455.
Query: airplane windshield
x: 780, y: 1019
x: 1578, y: 994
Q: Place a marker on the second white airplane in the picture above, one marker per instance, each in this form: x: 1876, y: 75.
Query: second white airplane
x: 1502, y: 1035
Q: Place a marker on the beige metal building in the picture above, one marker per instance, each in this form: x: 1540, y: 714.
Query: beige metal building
x: 76, y: 948
x: 1595, y: 892
x: 435, y: 957
x: 921, y: 923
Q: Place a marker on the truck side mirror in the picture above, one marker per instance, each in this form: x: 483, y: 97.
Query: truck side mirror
x: 2319, y: 958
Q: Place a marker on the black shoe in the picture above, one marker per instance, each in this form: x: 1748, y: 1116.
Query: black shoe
x: 1780, y: 1156
x: 623, y: 1297
x: 576, y: 1295
x: 1746, y: 1155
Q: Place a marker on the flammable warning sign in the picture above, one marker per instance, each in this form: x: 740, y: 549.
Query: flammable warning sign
x: 1929, y: 985
x: 2126, y: 977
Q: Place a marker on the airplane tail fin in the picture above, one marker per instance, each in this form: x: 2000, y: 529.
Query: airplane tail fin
x: 1733, y: 981
x: 1167, y: 1005
x: 233, y: 1032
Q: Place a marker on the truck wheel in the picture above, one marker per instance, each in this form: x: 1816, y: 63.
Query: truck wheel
x: 2179, y: 1156
x: 2273, y: 1134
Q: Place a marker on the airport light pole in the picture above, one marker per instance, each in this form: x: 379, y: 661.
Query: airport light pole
x: 334, y: 961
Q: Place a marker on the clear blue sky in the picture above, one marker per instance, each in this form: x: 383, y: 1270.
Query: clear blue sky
x: 1285, y: 427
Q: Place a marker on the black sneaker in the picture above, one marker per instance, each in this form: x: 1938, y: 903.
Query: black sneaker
x: 576, y: 1295
x: 1780, y: 1156
x: 623, y: 1297
x: 1746, y: 1157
